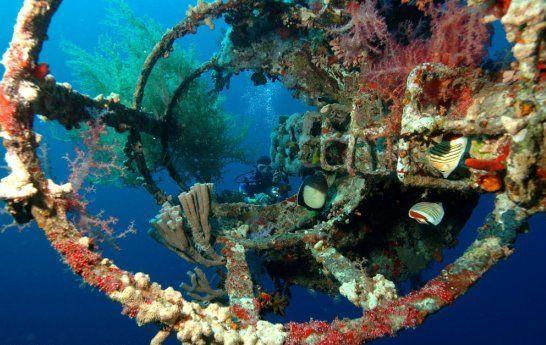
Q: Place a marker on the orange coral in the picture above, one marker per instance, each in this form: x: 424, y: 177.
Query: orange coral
x: 490, y: 183
x: 426, y: 6
x: 499, y: 7
x: 484, y: 164
x: 7, y: 109
x: 41, y: 70
x: 490, y: 165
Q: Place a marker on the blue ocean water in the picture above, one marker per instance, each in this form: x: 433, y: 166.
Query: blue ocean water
x: 42, y: 302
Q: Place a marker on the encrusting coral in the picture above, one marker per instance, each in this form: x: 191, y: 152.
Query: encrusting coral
x: 380, y: 136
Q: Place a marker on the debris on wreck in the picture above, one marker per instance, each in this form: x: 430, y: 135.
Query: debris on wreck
x: 387, y: 100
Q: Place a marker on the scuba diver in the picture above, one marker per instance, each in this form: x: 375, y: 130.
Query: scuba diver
x: 263, y: 185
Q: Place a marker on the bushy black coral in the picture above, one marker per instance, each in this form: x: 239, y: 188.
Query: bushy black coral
x: 202, y: 140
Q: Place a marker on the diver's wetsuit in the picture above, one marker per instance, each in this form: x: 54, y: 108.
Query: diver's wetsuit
x: 259, y: 183
x: 264, y: 181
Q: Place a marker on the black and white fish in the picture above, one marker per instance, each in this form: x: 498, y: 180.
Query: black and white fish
x: 312, y: 192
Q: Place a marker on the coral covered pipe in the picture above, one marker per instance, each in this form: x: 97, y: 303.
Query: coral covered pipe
x: 19, y: 91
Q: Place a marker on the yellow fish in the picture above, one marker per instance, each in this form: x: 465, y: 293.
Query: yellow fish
x: 315, y: 160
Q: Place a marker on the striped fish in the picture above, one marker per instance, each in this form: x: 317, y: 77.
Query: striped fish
x: 427, y: 212
x: 446, y: 155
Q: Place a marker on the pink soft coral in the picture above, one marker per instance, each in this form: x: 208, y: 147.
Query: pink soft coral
x: 458, y: 36
x: 365, y: 32
x: 82, y: 166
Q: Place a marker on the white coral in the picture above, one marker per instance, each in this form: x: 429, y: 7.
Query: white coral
x: 16, y: 185
x: 142, y: 280
x: 270, y: 334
